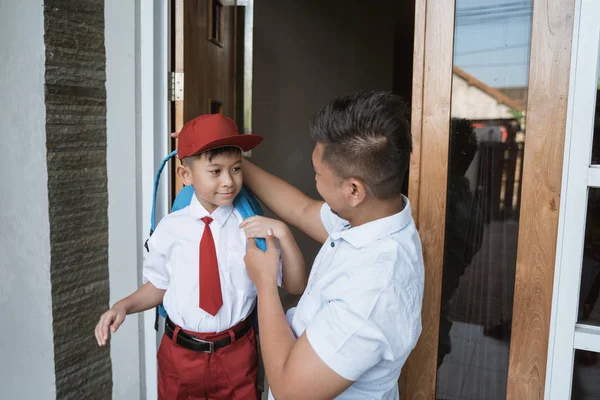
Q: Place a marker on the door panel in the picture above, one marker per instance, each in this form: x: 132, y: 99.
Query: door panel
x: 205, y: 51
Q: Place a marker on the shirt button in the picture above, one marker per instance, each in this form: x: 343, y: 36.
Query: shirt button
x: 332, y: 244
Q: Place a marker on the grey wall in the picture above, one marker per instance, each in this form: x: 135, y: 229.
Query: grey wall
x: 26, y: 339
x: 124, y: 247
x: 75, y: 97
x: 305, y: 54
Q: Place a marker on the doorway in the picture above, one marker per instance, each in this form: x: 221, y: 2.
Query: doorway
x: 489, y: 141
x: 277, y: 63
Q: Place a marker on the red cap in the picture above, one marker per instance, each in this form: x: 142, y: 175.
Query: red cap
x: 211, y: 131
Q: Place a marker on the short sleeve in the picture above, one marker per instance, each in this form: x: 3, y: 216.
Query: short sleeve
x: 332, y: 222
x: 155, y: 263
x: 346, y: 341
x: 346, y: 332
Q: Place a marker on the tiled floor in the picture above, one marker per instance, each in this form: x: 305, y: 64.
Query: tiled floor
x: 476, y: 369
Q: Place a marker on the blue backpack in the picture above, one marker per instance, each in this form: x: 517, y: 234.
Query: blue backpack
x: 245, y: 203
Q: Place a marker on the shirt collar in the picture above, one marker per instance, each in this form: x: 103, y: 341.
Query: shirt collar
x: 372, y: 231
x: 220, y: 215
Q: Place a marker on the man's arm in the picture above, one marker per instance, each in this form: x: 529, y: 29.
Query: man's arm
x: 293, y: 367
x: 286, y: 201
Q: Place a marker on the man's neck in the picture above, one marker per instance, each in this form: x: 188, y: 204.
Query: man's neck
x: 375, y: 209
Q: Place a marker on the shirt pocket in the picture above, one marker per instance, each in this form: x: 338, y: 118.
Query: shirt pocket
x: 183, y: 266
x: 238, y: 276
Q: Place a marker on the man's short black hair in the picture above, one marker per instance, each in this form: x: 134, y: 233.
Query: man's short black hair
x: 366, y: 136
x: 188, y: 161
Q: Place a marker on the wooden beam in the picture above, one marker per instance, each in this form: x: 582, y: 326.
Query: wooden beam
x: 417, y: 108
x: 435, y: 40
x: 544, y: 146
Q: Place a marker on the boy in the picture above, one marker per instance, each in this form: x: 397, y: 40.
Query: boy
x: 195, y: 267
x: 360, y: 315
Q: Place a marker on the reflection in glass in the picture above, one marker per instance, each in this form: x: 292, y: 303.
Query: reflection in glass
x: 487, y: 136
x: 589, y: 304
x: 586, y: 371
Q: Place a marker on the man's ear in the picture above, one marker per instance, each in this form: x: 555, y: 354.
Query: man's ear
x: 185, y: 174
x: 355, y: 191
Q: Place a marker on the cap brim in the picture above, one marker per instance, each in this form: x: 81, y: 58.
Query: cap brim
x: 246, y: 142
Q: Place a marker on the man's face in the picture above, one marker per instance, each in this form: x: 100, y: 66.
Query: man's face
x: 216, y: 182
x: 328, y: 185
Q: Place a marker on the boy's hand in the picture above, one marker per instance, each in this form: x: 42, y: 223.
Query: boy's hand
x: 257, y: 227
x: 111, y: 319
x: 262, y: 267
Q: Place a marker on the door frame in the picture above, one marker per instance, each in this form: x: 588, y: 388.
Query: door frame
x: 546, y: 127
x: 153, y: 37
x: 566, y: 334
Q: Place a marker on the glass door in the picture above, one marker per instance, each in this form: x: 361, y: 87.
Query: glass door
x: 491, y: 81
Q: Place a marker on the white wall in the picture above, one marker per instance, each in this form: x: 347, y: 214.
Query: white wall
x: 470, y: 102
x: 124, y: 249
x: 305, y: 54
x: 26, y: 337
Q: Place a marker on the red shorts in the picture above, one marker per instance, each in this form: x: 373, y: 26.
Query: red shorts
x: 227, y: 374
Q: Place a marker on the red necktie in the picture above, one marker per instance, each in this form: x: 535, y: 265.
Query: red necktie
x: 210, y: 282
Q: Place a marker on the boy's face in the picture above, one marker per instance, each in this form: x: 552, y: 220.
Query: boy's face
x: 328, y: 184
x: 216, y: 182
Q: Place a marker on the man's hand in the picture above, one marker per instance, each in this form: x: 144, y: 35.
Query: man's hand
x: 262, y: 267
x: 175, y: 135
x: 112, y: 319
x: 257, y: 227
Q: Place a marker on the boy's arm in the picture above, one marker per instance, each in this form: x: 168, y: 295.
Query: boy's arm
x: 146, y: 297
x: 293, y: 265
x: 286, y: 201
x: 294, y: 274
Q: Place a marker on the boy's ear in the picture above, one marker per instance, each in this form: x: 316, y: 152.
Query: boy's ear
x: 185, y: 174
x: 355, y: 191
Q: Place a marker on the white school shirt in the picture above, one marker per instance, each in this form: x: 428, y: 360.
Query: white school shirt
x: 172, y: 261
x: 362, y: 307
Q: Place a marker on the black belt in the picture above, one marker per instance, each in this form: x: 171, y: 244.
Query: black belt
x: 196, y: 344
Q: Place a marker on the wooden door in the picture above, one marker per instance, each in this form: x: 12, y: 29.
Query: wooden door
x: 504, y: 244
x: 204, y: 54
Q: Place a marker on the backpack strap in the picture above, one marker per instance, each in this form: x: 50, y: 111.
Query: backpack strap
x: 248, y: 206
x: 155, y: 191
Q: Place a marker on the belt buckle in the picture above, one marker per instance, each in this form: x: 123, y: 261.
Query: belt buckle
x: 211, y: 345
